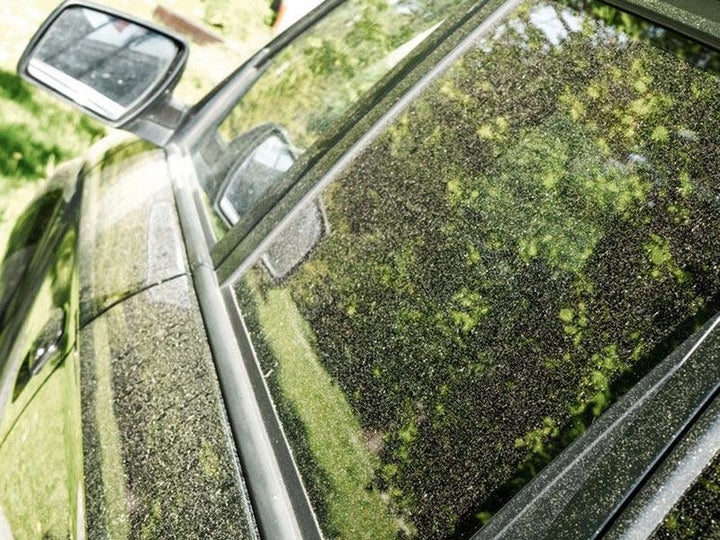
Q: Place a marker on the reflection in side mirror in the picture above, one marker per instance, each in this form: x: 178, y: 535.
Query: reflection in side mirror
x: 258, y: 168
x: 296, y: 241
x: 107, y: 64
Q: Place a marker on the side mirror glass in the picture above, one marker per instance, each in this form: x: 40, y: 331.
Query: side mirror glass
x: 103, y: 62
x: 259, y: 167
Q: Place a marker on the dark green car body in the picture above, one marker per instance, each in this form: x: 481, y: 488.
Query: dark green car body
x: 148, y: 431
x: 453, y: 272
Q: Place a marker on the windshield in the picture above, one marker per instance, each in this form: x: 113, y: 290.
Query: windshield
x: 528, y: 237
x: 305, y: 89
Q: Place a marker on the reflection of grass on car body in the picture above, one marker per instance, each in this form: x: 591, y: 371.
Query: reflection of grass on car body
x: 37, y: 509
x: 38, y: 504
x: 334, y: 434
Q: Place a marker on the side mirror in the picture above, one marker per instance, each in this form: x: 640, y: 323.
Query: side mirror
x: 105, y: 63
x: 254, y: 181
x: 265, y: 154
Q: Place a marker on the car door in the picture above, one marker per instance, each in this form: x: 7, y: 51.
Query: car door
x: 274, y: 118
x: 508, y: 249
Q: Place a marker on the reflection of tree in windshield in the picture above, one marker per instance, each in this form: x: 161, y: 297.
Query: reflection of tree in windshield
x: 313, y: 82
x: 538, y: 228
x: 119, y: 59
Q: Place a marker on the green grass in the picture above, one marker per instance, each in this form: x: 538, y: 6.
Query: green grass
x: 333, y: 432
x: 36, y: 133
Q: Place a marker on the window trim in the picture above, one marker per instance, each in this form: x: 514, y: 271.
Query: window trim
x: 696, y: 19
x: 280, y: 508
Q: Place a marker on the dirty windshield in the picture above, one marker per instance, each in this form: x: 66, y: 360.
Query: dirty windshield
x: 306, y: 88
x: 535, y: 231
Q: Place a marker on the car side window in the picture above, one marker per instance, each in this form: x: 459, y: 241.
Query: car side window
x: 304, y: 90
x: 537, y: 228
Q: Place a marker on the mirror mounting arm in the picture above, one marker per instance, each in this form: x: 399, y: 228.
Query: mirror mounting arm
x: 159, y: 122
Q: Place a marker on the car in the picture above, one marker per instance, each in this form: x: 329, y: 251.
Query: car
x: 417, y: 269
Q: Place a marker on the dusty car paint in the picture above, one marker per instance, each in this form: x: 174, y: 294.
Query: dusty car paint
x: 697, y: 18
x: 158, y: 452
x: 157, y: 449
x: 697, y: 510
x: 140, y: 210
x: 154, y: 425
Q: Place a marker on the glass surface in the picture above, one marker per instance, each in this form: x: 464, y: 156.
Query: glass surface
x: 315, y: 80
x: 530, y: 236
x: 102, y: 62
x: 252, y: 178
x: 696, y: 514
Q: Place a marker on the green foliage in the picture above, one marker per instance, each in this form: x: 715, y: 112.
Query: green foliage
x: 35, y: 135
x: 237, y: 21
x: 314, y: 81
x: 12, y: 87
x: 536, y: 230
x: 35, y: 132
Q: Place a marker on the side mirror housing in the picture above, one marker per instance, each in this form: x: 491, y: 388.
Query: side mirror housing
x: 109, y: 65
